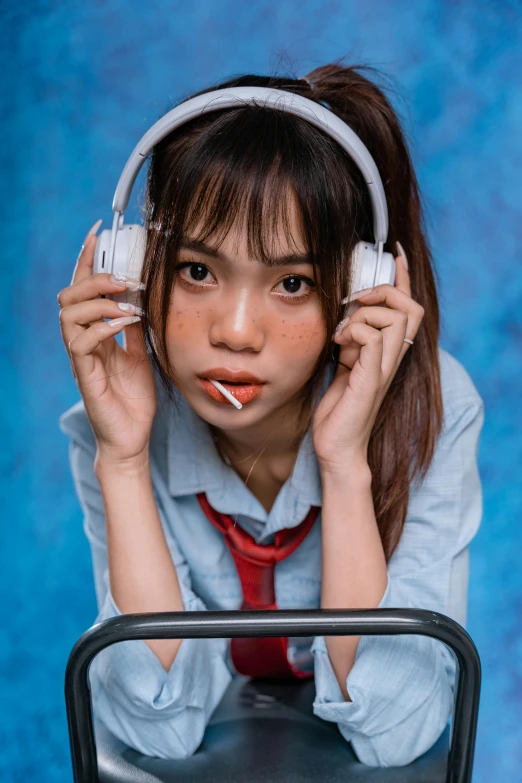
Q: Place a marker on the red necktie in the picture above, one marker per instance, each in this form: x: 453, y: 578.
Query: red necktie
x: 268, y: 656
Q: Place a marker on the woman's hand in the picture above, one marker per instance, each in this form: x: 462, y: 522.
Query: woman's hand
x: 116, y: 384
x: 372, y: 348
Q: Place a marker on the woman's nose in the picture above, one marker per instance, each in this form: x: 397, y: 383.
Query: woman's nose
x: 236, y: 325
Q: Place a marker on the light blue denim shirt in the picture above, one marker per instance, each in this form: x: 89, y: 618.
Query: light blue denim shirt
x: 401, y: 687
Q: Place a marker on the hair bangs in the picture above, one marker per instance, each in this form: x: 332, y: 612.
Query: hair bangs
x: 243, y: 183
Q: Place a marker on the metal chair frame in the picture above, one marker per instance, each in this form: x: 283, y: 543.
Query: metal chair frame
x: 276, y: 622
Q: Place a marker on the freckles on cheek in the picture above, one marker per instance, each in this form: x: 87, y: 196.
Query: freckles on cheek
x: 303, y: 335
x: 183, y: 322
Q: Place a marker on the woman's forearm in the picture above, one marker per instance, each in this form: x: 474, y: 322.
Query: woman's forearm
x: 354, y: 574
x: 142, y: 575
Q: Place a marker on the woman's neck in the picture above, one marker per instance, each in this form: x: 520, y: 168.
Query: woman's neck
x: 267, y: 449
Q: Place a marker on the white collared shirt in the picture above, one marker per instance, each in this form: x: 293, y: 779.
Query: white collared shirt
x: 401, y: 687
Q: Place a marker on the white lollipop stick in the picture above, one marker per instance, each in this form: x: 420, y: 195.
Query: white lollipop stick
x: 227, y: 394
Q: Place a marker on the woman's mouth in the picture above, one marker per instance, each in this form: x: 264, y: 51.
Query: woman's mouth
x: 243, y: 392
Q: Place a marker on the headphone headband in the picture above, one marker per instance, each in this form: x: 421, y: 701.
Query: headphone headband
x: 281, y: 100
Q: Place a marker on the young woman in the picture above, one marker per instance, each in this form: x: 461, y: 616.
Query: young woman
x: 360, y: 441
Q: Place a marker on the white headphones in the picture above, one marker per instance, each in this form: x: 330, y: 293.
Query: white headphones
x: 122, y: 248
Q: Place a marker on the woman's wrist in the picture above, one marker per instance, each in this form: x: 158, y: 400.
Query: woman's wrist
x: 106, y: 464
x: 355, y: 471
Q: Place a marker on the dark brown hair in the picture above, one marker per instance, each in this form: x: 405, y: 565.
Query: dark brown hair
x: 240, y: 163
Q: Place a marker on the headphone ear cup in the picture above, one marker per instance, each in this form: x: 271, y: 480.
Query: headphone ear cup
x: 365, y: 273
x: 101, y: 252
x: 364, y: 261
x: 136, y: 243
x: 386, y: 273
x: 129, y: 254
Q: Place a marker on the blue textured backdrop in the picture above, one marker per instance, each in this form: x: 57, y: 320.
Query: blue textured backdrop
x: 80, y: 84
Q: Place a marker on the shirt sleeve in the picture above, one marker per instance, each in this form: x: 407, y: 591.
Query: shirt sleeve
x: 158, y: 713
x: 402, y: 687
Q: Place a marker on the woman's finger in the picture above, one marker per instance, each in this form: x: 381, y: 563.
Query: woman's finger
x: 394, y: 326
x: 87, y: 312
x: 378, y: 317
x: 84, y: 262
x: 75, y: 319
x: 93, y: 286
x: 402, y: 275
x: 397, y: 297
x: 394, y: 298
x: 371, y: 351
x: 91, y: 310
x: 81, y: 348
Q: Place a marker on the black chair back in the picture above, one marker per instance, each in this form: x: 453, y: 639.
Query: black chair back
x: 286, y: 706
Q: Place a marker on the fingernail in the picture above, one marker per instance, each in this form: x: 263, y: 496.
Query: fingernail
x: 95, y: 228
x: 131, y: 308
x: 135, y: 285
x: 119, y: 278
x: 402, y: 254
x: 125, y: 321
x: 341, y: 326
x: 355, y: 295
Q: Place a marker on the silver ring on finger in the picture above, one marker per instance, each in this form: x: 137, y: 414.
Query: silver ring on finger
x: 406, y: 340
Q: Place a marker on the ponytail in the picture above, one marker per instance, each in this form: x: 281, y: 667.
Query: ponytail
x: 413, y: 403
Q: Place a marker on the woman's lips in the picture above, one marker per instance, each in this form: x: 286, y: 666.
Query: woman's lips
x: 242, y: 392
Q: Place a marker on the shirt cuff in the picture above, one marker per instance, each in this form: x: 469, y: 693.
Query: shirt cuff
x: 397, y: 685
x: 329, y: 702
x: 133, y: 676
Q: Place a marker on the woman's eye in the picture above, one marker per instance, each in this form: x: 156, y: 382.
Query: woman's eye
x: 293, y: 284
x: 197, y: 272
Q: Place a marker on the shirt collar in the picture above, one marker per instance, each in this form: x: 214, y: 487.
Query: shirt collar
x: 194, y: 465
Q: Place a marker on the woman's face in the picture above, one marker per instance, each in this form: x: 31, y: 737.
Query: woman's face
x: 230, y: 310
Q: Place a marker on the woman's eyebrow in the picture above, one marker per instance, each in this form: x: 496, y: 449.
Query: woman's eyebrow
x: 187, y: 243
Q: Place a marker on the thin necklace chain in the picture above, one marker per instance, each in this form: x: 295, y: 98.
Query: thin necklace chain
x: 221, y: 450
x: 220, y: 447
